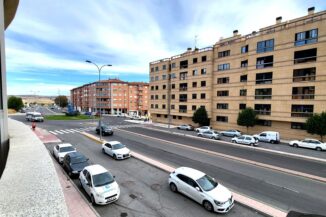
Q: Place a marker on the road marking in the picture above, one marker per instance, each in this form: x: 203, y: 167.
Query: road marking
x: 63, y: 131
x: 57, y: 131
x: 263, y: 165
x: 53, y: 133
x: 289, y: 189
x: 76, y: 131
x: 70, y: 131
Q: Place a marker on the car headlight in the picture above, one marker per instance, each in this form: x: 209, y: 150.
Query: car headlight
x: 218, y: 203
x: 75, y: 172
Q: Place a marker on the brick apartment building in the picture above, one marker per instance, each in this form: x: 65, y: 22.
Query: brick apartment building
x: 279, y: 71
x: 112, y: 96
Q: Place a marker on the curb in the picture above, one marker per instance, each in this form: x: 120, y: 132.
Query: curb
x: 239, y: 198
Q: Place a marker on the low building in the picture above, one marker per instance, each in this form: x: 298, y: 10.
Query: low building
x: 112, y: 96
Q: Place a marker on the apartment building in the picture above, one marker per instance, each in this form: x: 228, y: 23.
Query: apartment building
x: 279, y: 71
x: 112, y: 96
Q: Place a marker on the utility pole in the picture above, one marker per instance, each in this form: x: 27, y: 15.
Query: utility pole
x: 169, y: 101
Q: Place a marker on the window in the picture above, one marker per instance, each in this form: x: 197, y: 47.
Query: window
x: 264, y: 62
x: 223, y: 93
x: 303, y: 92
x: 194, y: 96
x: 173, y: 86
x: 158, y: 115
x: 163, y: 96
x: 265, y: 93
x: 242, y: 106
x: 307, y: 74
x: 182, y: 108
x: 152, y: 87
x: 152, y: 96
x: 194, y: 84
x: 180, y: 117
x: 156, y: 96
x: 174, y: 117
x: 156, y: 87
x: 221, y: 118
x: 203, y: 83
x: 173, y: 75
x: 203, y: 96
x: 263, y: 109
x: 172, y: 107
x: 173, y: 65
x: 152, y: 69
x: 165, y: 116
x: 163, y: 106
x: 265, y: 46
x: 194, y: 72
x: 267, y: 123
x: 244, y: 64
x: 222, y: 67
x: 184, y: 64
x: 223, y: 53
x: 202, y: 106
x: 183, y: 75
x: 193, y: 108
x: 302, y: 110
x: 304, y: 56
x: 298, y: 126
x: 245, y: 49
x: 243, y: 92
x: 164, y: 67
x: 152, y: 105
x: 152, y: 78
x: 222, y: 106
x: 306, y: 37
x: 173, y: 96
x: 183, y: 87
x: 243, y: 78
x: 203, y: 58
x: 164, y: 86
x: 163, y: 77
x: 194, y: 60
x: 156, y: 106
x: 182, y: 97
x: 203, y: 71
x: 156, y: 78
x: 224, y: 80
x: 264, y: 78
x: 156, y: 68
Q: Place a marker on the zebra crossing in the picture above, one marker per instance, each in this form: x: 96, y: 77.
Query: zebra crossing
x: 85, y: 129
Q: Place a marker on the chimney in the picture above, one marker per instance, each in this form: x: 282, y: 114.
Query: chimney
x: 311, y: 10
x: 278, y: 20
x: 235, y: 32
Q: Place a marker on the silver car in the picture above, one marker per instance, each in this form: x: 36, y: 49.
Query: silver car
x: 185, y: 127
x: 231, y: 133
x: 246, y: 140
x: 211, y: 134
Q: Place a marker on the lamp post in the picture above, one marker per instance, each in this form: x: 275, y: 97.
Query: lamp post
x: 99, y: 80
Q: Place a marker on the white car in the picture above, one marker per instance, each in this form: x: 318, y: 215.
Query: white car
x: 245, y: 139
x: 202, y: 129
x: 60, y: 150
x: 201, y: 188
x: 231, y: 133
x: 99, y: 184
x: 309, y: 143
x: 187, y: 127
x: 116, y: 150
x: 268, y: 136
x: 211, y: 134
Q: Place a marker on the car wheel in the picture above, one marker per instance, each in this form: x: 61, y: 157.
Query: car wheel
x: 178, y: 128
x: 251, y: 144
x: 295, y: 145
x: 215, y: 138
x: 114, y: 157
x: 173, y: 187
x: 103, y: 151
x: 93, y: 200
x: 200, y: 135
x: 272, y: 141
x: 208, y: 206
x: 318, y: 148
x: 70, y: 174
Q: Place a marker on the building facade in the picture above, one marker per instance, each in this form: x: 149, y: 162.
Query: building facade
x: 112, y: 96
x: 279, y: 71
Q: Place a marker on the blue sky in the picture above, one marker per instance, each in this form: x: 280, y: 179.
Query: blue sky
x: 48, y: 41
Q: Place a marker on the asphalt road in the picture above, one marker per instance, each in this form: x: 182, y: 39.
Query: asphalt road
x: 144, y: 189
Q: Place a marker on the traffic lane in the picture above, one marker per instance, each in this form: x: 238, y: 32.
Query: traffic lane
x: 144, y: 192
x: 284, y: 147
x: 281, y: 190
x: 288, y: 162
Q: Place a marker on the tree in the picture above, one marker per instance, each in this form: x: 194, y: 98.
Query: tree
x: 15, y: 103
x: 247, y: 117
x: 316, y: 124
x: 200, y: 116
x: 62, y: 101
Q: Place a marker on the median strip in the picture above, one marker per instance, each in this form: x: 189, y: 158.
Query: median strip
x: 242, y: 199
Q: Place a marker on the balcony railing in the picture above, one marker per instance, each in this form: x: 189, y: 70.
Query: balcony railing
x: 303, y: 96
x: 183, y: 100
x: 182, y: 110
x: 183, y: 88
x: 304, y: 78
x: 301, y: 114
x: 263, y: 112
x: 305, y: 59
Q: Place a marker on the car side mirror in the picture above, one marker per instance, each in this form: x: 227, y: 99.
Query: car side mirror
x: 198, y: 189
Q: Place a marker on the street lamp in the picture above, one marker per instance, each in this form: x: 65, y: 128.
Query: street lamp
x: 99, y: 80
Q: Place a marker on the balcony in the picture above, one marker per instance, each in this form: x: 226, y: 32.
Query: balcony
x: 183, y: 100
x: 303, y: 96
x: 182, y: 110
x: 183, y: 88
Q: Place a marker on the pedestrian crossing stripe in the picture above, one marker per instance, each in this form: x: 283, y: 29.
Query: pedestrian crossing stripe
x: 80, y: 130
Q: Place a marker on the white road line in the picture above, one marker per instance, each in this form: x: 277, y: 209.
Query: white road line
x: 70, y: 131
x: 76, y: 131
x: 53, y: 133
x: 57, y: 131
x: 64, y: 131
x: 283, y: 187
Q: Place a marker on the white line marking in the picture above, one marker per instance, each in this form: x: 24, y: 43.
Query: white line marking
x: 57, y: 131
x: 53, y: 133
x: 63, y: 131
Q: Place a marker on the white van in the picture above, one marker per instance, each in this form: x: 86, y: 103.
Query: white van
x: 34, y: 116
x: 268, y: 136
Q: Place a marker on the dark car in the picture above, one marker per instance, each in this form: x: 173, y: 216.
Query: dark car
x: 106, y: 130
x: 74, y: 162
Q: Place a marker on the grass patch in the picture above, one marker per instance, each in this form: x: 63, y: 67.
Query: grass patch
x: 68, y: 118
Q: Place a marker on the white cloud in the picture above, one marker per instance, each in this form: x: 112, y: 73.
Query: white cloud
x: 43, y: 89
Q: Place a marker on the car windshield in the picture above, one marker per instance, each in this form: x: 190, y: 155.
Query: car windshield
x: 78, y: 159
x: 207, y: 183
x: 66, y: 149
x: 102, y: 179
x: 118, y: 146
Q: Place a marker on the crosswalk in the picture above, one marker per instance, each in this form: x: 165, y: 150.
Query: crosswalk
x: 85, y: 129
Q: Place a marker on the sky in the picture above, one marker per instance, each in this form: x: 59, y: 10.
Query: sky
x: 48, y: 41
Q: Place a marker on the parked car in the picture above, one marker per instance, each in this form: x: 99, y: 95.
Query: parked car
x: 34, y: 116
x: 88, y: 113
x: 202, y: 129
x: 268, y: 136
x: 116, y: 150
x: 74, y: 163
x: 211, y: 134
x: 99, y: 184
x: 309, y: 143
x: 135, y: 117
x: 106, y: 130
x: 201, y: 188
x: 231, y: 133
x: 60, y: 150
x: 245, y: 139
x: 187, y: 127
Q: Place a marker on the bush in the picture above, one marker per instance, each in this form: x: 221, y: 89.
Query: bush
x: 200, y: 116
x: 15, y: 103
x: 247, y: 118
x: 316, y: 124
